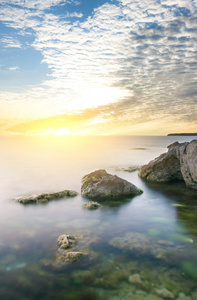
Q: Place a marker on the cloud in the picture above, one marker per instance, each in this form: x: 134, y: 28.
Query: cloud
x: 115, y: 118
x: 14, y: 68
x: 10, y: 42
x: 38, y: 4
x: 142, y: 51
x: 74, y: 15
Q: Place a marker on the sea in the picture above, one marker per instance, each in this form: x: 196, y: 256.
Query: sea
x: 141, y: 248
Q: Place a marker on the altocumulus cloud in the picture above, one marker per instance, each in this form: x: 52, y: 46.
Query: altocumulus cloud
x: 143, y: 51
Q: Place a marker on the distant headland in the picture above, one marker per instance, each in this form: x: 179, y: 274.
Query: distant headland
x: 183, y: 134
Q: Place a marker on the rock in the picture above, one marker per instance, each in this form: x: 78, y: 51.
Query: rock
x: 91, y: 205
x: 61, y: 261
x: 164, y: 168
x: 45, y: 197
x: 103, y: 186
x: 179, y: 163
x: 164, y: 293
x: 135, y: 279
x: 66, y: 241
x: 141, y: 244
x: 70, y: 256
x: 187, y: 155
x: 129, y: 169
x: 71, y: 248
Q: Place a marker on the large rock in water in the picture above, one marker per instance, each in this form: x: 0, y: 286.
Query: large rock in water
x: 103, y: 186
x: 179, y: 163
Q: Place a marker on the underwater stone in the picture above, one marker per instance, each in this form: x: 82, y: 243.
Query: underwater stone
x: 164, y: 293
x: 45, y: 197
x: 71, y: 248
x: 103, y: 186
x: 73, y: 256
x: 135, y: 279
x: 145, y: 245
x: 91, y: 205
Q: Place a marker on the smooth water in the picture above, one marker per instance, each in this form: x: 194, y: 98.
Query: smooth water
x: 153, y: 235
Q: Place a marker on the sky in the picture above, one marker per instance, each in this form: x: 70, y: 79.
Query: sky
x: 96, y: 67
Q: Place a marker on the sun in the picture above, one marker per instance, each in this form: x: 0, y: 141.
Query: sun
x: 62, y: 131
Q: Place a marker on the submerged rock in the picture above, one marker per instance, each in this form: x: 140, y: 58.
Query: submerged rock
x: 164, y: 293
x: 70, y: 249
x: 67, y: 257
x: 91, y: 205
x: 141, y: 244
x: 135, y: 279
x: 179, y: 163
x: 45, y: 197
x: 103, y: 186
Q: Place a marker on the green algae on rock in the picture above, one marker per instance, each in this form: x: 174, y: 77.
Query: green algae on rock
x: 103, y: 186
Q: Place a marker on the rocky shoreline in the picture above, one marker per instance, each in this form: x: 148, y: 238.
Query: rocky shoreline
x: 179, y: 163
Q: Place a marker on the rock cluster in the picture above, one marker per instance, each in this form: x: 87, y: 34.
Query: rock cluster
x: 71, y: 248
x: 103, y: 186
x: 67, y: 252
x: 179, y: 163
x: 45, y: 197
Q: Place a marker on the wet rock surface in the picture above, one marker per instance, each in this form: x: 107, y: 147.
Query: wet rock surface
x: 45, y: 197
x: 91, y: 205
x: 103, y: 186
x: 179, y: 163
x: 66, y: 241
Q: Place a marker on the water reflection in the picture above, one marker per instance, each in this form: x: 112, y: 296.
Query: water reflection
x: 153, y: 235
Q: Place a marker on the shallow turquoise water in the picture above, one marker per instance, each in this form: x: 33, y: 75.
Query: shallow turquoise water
x: 153, y: 235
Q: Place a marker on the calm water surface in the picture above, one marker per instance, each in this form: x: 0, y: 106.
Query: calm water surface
x: 153, y: 235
